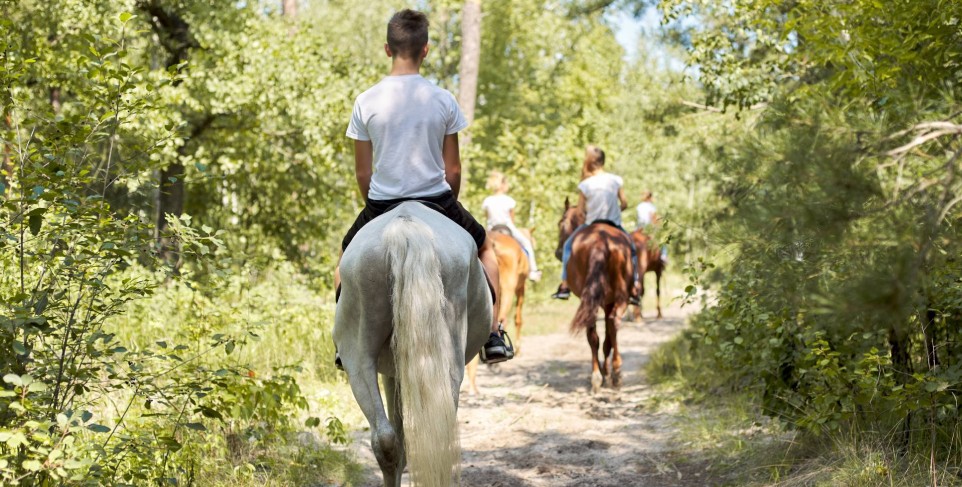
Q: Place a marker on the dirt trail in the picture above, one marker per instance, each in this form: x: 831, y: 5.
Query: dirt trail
x: 536, y: 424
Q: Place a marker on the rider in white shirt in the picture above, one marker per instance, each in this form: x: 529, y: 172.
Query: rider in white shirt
x: 499, y: 209
x: 646, y: 211
x: 405, y: 131
x: 647, y: 217
x: 602, y: 198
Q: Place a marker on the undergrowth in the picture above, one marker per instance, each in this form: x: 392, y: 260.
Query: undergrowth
x: 725, y: 428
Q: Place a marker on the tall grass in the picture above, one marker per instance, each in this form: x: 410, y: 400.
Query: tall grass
x: 724, y: 427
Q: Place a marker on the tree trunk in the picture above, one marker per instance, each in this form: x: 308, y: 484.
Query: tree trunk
x: 170, y: 201
x: 289, y: 8
x: 55, y: 99
x: 175, y: 37
x: 470, y: 59
x: 6, y: 169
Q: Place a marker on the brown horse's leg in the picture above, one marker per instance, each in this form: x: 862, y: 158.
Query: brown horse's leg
x: 658, y: 292
x: 641, y: 298
x: 607, y: 345
x: 596, y: 378
x: 472, y: 370
x: 519, y: 294
x: 612, y: 323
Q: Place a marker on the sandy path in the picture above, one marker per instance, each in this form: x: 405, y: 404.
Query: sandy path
x: 536, y: 424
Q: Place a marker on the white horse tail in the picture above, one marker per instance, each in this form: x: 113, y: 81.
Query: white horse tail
x: 422, y: 351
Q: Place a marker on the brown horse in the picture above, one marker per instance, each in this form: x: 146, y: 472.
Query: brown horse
x: 600, y: 273
x: 649, y: 260
x: 513, y: 267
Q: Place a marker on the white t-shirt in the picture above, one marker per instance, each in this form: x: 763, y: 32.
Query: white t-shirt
x: 601, y: 195
x: 646, y: 212
x: 406, y: 119
x: 498, y: 208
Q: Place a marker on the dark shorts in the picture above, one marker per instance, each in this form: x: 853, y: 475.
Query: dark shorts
x: 445, y: 204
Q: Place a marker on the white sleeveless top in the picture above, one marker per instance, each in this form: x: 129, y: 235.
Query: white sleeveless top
x: 601, y: 196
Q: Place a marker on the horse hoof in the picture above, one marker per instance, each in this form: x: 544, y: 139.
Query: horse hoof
x: 616, y: 380
x: 596, y: 381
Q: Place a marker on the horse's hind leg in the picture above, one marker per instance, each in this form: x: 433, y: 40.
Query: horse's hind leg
x: 658, y: 292
x: 641, y: 298
x: 472, y: 371
x: 387, y: 443
x: 393, y: 395
x: 612, y: 355
x: 517, y: 320
x: 596, y: 377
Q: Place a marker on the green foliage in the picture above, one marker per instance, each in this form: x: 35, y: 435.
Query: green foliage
x: 839, y: 306
x: 84, y: 128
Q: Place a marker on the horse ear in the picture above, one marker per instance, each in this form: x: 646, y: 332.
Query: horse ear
x: 567, y: 204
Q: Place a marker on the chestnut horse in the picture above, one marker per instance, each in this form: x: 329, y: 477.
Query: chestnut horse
x: 513, y: 267
x: 649, y: 260
x: 600, y: 273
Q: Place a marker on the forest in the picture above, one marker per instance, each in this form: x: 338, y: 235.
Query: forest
x: 176, y: 180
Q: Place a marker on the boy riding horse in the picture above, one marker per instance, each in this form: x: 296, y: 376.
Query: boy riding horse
x: 405, y: 132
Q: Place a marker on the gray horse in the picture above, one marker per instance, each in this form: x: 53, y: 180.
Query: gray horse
x: 414, y: 307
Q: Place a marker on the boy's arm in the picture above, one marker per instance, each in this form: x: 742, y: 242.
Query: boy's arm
x: 622, y: 199
x: 452, y: 163
x: 363, y: 162
x: 582, y: 203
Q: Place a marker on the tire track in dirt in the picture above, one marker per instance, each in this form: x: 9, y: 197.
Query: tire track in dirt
x: 536, y: 423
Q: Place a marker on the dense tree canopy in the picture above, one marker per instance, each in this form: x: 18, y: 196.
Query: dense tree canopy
x: 167, y: 163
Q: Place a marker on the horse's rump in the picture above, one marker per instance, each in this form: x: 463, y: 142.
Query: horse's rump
x: 413, y: 307
x: 600, y: 269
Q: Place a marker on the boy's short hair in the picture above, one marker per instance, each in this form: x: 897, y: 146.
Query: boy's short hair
x: 407, y: 33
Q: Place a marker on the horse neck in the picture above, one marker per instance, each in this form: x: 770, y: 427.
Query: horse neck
x: 574, y: 219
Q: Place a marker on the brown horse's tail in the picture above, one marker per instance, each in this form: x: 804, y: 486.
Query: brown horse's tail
x: 593, y: 293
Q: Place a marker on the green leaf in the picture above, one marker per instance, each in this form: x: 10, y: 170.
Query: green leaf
x: 35, y: 221
x: 98, y: 428
x: 195, y: 426
x: 41, y: 304
x: 13, y: 379
x: 229, y: 347
x: 125, y: 16
x: 32, y: 465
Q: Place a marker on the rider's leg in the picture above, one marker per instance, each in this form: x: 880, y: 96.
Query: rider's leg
x: 563, y: 291
x: 635, y: 288
x: 490, y: 263
x: 528, y: 250
x: 495, y: 349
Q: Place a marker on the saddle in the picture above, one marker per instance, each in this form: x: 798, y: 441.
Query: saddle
x: 428, y: 204
x: 609, y: 223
